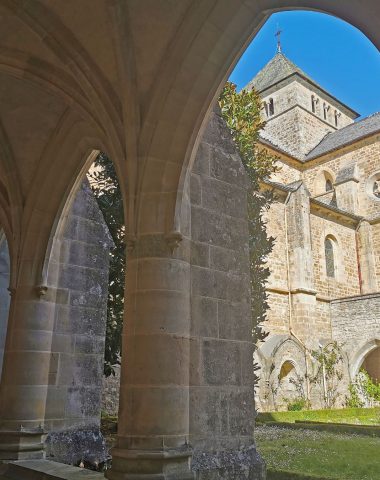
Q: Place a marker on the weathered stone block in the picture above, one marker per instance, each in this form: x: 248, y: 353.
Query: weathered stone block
x: 221, y: 362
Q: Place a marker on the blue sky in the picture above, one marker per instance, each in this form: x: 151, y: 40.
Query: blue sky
x: 338, y: 56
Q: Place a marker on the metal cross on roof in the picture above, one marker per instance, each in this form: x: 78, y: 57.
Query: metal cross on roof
x: 278, y: 35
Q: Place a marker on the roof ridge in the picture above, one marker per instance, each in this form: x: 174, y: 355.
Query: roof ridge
x: 363, y: 131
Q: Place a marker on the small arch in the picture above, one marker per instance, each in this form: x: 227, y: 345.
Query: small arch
x: 324, y: 182
x: 361, y: 354
x: 330, y: 256
x: 371, y: 364
x: 285, y: 369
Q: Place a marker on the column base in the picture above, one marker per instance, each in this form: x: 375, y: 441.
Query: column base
x: 166, y: 464
x: 22, y: 444
x: 244, y: 464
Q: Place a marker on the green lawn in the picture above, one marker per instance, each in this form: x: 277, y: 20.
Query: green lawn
x: 318, y: 454
x: 358, y: 416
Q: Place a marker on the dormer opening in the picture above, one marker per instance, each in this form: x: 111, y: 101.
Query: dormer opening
x: 329, y: 185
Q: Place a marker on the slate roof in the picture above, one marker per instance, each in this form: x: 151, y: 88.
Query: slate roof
x: 346, y: 135
x: 277, y: 69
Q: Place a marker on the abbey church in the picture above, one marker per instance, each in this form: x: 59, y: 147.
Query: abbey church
x: 325, y: 265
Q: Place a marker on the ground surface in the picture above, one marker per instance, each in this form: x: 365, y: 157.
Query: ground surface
x: 319, y: 454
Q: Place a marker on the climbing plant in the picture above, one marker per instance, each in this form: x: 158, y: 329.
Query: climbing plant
x: 328, y: 372
x: 363, y: 391
x: 242, y: 114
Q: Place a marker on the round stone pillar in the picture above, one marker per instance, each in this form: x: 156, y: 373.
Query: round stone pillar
x: 153, y: 423
x: 27, y: 368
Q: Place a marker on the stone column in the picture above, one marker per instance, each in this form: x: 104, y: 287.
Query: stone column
x: 366, y: 258
x: 302, y: 289
x: 154, y: 391
x: 27, y: 369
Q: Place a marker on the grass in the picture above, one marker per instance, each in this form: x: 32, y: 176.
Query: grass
x: 320, y: 455
x: 356, y: 416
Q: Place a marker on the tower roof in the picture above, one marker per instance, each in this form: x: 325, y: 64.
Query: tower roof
x: 277, y: 69
x: 281, y: 68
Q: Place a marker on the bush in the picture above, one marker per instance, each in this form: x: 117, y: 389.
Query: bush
x: 296, y: 405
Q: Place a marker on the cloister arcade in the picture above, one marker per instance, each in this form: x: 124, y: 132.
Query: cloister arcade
x: 138, y: 80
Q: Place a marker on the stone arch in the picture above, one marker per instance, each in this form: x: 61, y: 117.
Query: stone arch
x: 359, y: 356
x: 324, y: 181
x: 250, y: 19
x: 279, y: 351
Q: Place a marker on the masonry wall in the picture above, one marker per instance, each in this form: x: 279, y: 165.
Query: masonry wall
x: 346, y: 282
x: 4, y: 294
x: 77, y: 293
x: 355, y: 323
x: 366, y: 156
x: 375, y: 229
x: 294, y: 127
x: 221, y: 393
x: 285, y: 174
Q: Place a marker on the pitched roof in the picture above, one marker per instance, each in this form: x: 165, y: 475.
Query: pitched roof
x: 277, y: 69
x: 346, y: 135
x: 281, y: 68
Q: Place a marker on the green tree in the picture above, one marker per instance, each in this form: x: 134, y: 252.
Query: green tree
x: 242, y: 114
x: 105, y: 186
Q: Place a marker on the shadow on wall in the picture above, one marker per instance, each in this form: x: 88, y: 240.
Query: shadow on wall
x: 4, y: 294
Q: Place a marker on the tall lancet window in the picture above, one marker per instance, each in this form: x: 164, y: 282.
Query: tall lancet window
x: 329, y: 257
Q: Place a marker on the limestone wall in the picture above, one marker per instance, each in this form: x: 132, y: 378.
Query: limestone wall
x: 366, y: 156
x: 4, y: 294
x: 277, y: 259
x: 221, y: 391
x: 110, y: 393
x: 375, y: 229
x: 77, y: 293
x: 346, y: 281
x: 285, y: 173
x: 355, y: 323
x: 294, y: 127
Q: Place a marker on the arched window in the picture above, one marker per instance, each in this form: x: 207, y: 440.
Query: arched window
x: 329, y: 257
x: 271, y: 107
x: 329, y: 185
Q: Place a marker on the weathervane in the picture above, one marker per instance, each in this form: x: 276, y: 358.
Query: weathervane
x: 278, y: 35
